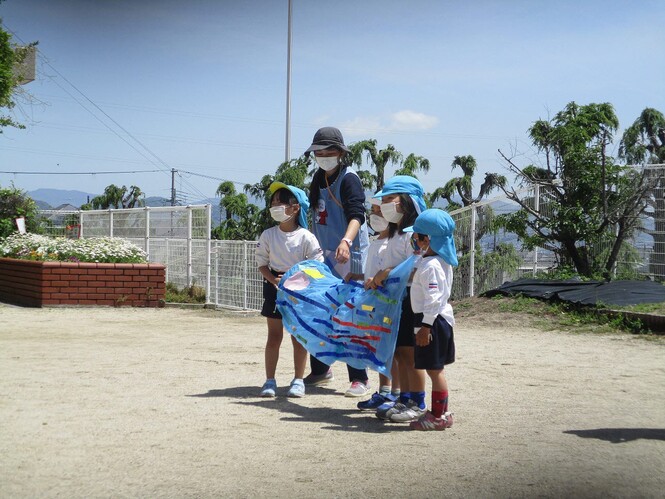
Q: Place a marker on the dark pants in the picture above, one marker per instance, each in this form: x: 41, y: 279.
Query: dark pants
x: 319, y: 367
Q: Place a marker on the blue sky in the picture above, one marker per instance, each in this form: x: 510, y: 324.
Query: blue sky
x: 202, y: 84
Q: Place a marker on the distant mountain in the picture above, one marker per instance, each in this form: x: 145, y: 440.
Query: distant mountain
x: 157, y: 201
x: 48, y: 199
x: 56, y: 197
x: 43, y: 205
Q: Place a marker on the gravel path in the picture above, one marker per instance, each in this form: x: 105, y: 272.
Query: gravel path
x: 109, y: 402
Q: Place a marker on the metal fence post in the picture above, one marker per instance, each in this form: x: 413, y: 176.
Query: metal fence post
x: 110, y: 222
x: 209, y: 249
x: 189, y: 246
x: 217, y: 274
x: 244, y: 273
x: 147, y: 231
x: 536, y: 207
x: 472, y: 259
x: 168, y: 259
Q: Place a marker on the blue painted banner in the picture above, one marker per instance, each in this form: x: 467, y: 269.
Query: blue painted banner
x: 338, y: 321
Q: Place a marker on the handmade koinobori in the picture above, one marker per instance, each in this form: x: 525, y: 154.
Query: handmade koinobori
x: 338, y: 321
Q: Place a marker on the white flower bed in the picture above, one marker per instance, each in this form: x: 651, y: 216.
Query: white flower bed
x: 48, y: 249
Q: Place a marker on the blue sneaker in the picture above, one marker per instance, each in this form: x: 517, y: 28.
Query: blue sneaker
x: 269, y: 388
x: 297, y: 389
x: 375, y: 402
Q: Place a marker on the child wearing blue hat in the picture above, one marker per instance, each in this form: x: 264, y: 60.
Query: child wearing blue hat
x: 430, y: 291
x: 402, y: 200
x: 280, y: 248
x: 381, y: 255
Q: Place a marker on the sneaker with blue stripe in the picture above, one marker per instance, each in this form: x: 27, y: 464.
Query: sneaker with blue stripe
x: 375, y: 402
x: 388, y: 409
x: 269, y: 388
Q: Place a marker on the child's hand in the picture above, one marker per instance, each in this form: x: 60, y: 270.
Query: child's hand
x: 424, y: 336
x: 355, y: 277
x: 377, y: 280
x: 380, y: 277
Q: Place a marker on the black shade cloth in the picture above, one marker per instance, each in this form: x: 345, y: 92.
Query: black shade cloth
x: 584, y: 293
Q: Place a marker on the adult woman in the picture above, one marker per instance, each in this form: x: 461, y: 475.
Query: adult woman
x: 337, y: 200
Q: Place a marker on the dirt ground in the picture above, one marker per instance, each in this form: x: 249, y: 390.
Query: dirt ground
x: 103, y: 402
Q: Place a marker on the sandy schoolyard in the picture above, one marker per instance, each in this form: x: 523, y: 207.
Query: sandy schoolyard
x: 107, y: 402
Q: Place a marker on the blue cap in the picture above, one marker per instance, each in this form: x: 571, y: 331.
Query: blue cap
x: 439, y: 226
x: 301, y: 197
x: 405, y: 184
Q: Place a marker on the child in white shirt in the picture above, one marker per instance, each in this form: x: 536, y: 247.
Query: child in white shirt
x: 280, y: 248
x: 430, y: 291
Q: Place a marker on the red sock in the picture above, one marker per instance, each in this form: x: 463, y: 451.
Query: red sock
x: 439, y: 403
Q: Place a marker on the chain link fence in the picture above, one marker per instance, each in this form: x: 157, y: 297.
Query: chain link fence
x: 490, y: 256
x: 493, y: 255
x: 236, y: 282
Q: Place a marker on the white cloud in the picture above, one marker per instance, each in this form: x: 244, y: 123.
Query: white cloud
x: 401, y: 121
x: 411, y: 120
x: 321, y: 120
x: 362, y: 125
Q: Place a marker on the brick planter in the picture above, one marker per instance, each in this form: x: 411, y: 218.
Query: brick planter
x: 44, y: 284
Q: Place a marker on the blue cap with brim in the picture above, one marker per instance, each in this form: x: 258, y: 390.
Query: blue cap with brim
x: 439, y: 226
x: 405, y: 184
x: 301, y: 197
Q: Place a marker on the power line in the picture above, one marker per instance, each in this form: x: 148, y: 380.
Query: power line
x: 79, y: 173
x: 141, y: 144
x: 213, y: 178
x: 16, y: 172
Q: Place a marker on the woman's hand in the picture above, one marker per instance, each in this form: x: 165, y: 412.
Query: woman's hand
x: 343, y: 252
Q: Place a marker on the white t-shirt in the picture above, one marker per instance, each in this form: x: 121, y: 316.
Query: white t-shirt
x: 430, y: 290
x: 282, y: 250
x: 375, y: 256
x: 387, y: 253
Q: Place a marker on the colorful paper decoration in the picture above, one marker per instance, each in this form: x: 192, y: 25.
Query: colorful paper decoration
x: 338, y: 321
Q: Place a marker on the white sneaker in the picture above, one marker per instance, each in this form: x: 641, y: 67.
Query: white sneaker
x: 297, y: 389
x: 410, y: 413
x: 269, y: 388
x: 357, y: 389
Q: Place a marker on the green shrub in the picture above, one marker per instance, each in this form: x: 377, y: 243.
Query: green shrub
x: 188, y: 294
x: 15, y: 203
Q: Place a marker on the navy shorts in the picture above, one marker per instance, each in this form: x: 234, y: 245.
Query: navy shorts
x: 405, y: 336
x: 440, y: 351
x: 269, y: 308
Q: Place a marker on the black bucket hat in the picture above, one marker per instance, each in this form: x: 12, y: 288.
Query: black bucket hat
x: 327, y: 137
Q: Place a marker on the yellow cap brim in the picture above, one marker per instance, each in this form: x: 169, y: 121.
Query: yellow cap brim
x: 275, y: 186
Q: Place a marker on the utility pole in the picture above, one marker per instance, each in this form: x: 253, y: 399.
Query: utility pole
x: 173, y: 170
x: 287, y: 149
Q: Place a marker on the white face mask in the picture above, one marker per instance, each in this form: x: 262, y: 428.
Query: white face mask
x: 278, y: 213
x: 327, y: 163
x: 389, y: 212
x: 378, y: 223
